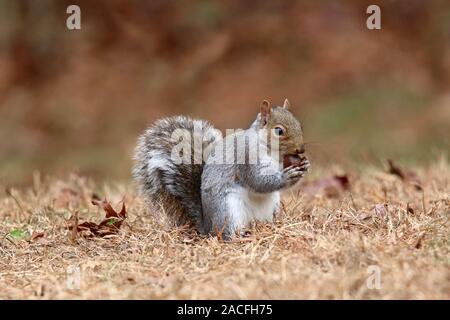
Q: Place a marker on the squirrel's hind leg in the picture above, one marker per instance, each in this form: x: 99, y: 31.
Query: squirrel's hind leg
x: 224, y: 215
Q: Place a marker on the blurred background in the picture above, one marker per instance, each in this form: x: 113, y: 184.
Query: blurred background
x: 76, y: 100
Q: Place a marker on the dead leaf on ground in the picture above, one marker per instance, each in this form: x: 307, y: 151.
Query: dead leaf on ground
x: 380, y: 209
x: 36, y: 235
x: 109, y: 226
x: 363, y: 216
x: 404, y: 175
x: 331, y: 186
x: 409, y: 209
x: 418, y: 243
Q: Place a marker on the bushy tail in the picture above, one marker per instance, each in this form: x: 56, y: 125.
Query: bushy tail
x: 162, y: 179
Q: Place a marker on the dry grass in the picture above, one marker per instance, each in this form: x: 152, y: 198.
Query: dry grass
x: 320, y: 247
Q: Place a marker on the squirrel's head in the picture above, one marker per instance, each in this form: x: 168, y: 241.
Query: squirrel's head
x: 279, y: 121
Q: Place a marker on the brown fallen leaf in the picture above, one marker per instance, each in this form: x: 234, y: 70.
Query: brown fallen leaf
x: 110, y: 212
x: 363, y: 216
x: 74, y: 227
x: 380, y: 209
x: 393, y: 169
x: 418, y: 243
x: 109, y: 226
x: 332, y: 186
x: 36, y: 235
x: 406, y: 176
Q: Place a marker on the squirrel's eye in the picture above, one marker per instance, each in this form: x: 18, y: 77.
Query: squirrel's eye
x: 279, y: 131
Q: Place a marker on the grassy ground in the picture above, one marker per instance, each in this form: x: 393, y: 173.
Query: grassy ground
x: 326, y: 243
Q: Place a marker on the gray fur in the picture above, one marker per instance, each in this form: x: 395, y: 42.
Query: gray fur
x: 221, y: 180
x: 176, y: 187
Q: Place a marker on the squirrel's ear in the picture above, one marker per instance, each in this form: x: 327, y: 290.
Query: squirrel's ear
x: 286, y: 104
x: 265, y: 113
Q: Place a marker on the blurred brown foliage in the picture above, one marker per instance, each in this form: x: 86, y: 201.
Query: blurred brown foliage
x: 76, y: 100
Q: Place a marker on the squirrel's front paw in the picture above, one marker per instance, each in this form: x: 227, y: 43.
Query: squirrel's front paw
x: 304, y: 165
x: 292, y: 174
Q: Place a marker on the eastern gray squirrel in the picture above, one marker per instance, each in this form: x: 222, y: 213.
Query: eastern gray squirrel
x: 185, y: 167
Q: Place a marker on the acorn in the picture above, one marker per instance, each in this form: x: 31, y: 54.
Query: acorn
x: 293, y: 160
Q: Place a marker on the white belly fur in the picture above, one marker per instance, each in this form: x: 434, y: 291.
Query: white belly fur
x: 245, y: 206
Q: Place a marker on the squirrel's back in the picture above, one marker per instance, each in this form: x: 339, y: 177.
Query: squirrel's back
x: 162, y: 179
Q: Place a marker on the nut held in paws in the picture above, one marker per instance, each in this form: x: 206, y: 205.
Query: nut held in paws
x: 293, y: 160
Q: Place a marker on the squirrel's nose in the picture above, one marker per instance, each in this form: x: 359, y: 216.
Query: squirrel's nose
x: 301, y: 150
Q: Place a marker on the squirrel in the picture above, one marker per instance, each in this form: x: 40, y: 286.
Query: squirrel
x: 210, y: 187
